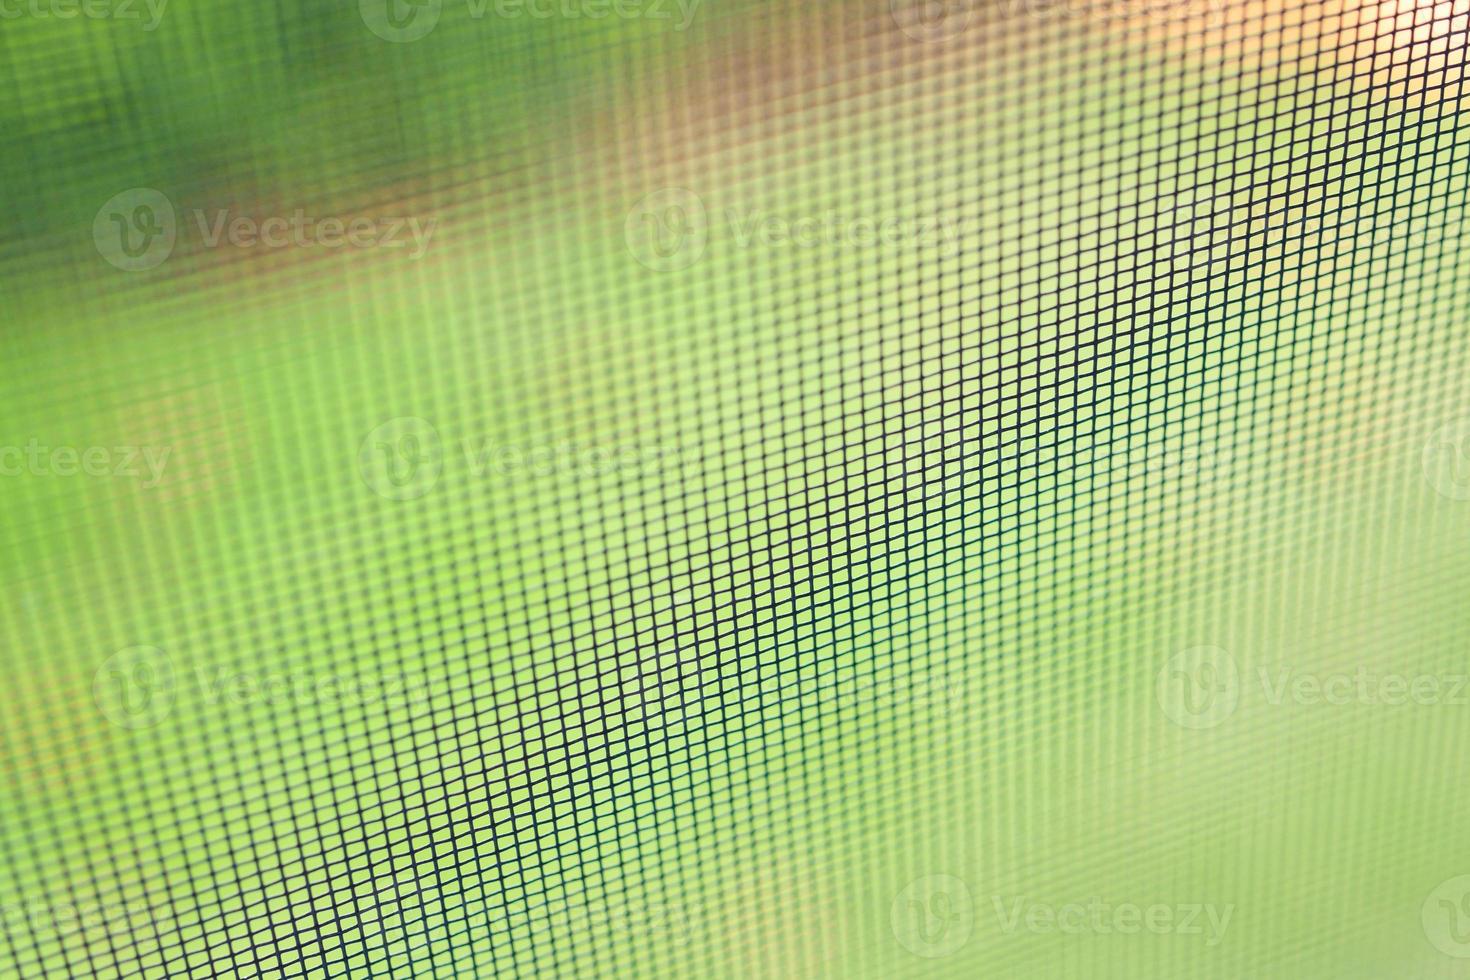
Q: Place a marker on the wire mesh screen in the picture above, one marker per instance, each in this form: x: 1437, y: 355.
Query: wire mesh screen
x: 717, y: 488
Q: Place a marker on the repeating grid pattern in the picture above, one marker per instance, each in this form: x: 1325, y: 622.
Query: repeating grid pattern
x: 1170, y: 307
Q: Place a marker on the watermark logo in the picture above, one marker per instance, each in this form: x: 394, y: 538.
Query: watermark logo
x: 135, y: 687
x: 932, y: 20
x: 88, y: 9
x: 136, y: 230
x: 933, y: 916
x: 1199, y: 687
x: 400, y: 21
x: 1446, y: 460
x: 401, y: 459
x: 1446, y: 917
x: 667, y: 230
x: 1096, y: 917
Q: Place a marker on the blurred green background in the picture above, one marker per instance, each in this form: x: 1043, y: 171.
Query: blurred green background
x: 834, y: 476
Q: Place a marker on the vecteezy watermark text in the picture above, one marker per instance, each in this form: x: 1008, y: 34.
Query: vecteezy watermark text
x: 486, y: 457
x: 138, y: 687
x: 402, y: 21
x: 944, y: 20
x: 671, y: 229
x: 1202, y: 686
x: 138, y: 229
x: 36, y: 459
x: 403, y: 458
x: 934, y: 916
x: 85, y: 9
x: 301, y: 230
x: 91, y: 919
x: 1117, y: 9
x: 580, y: 918
x: 1096, y: 917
